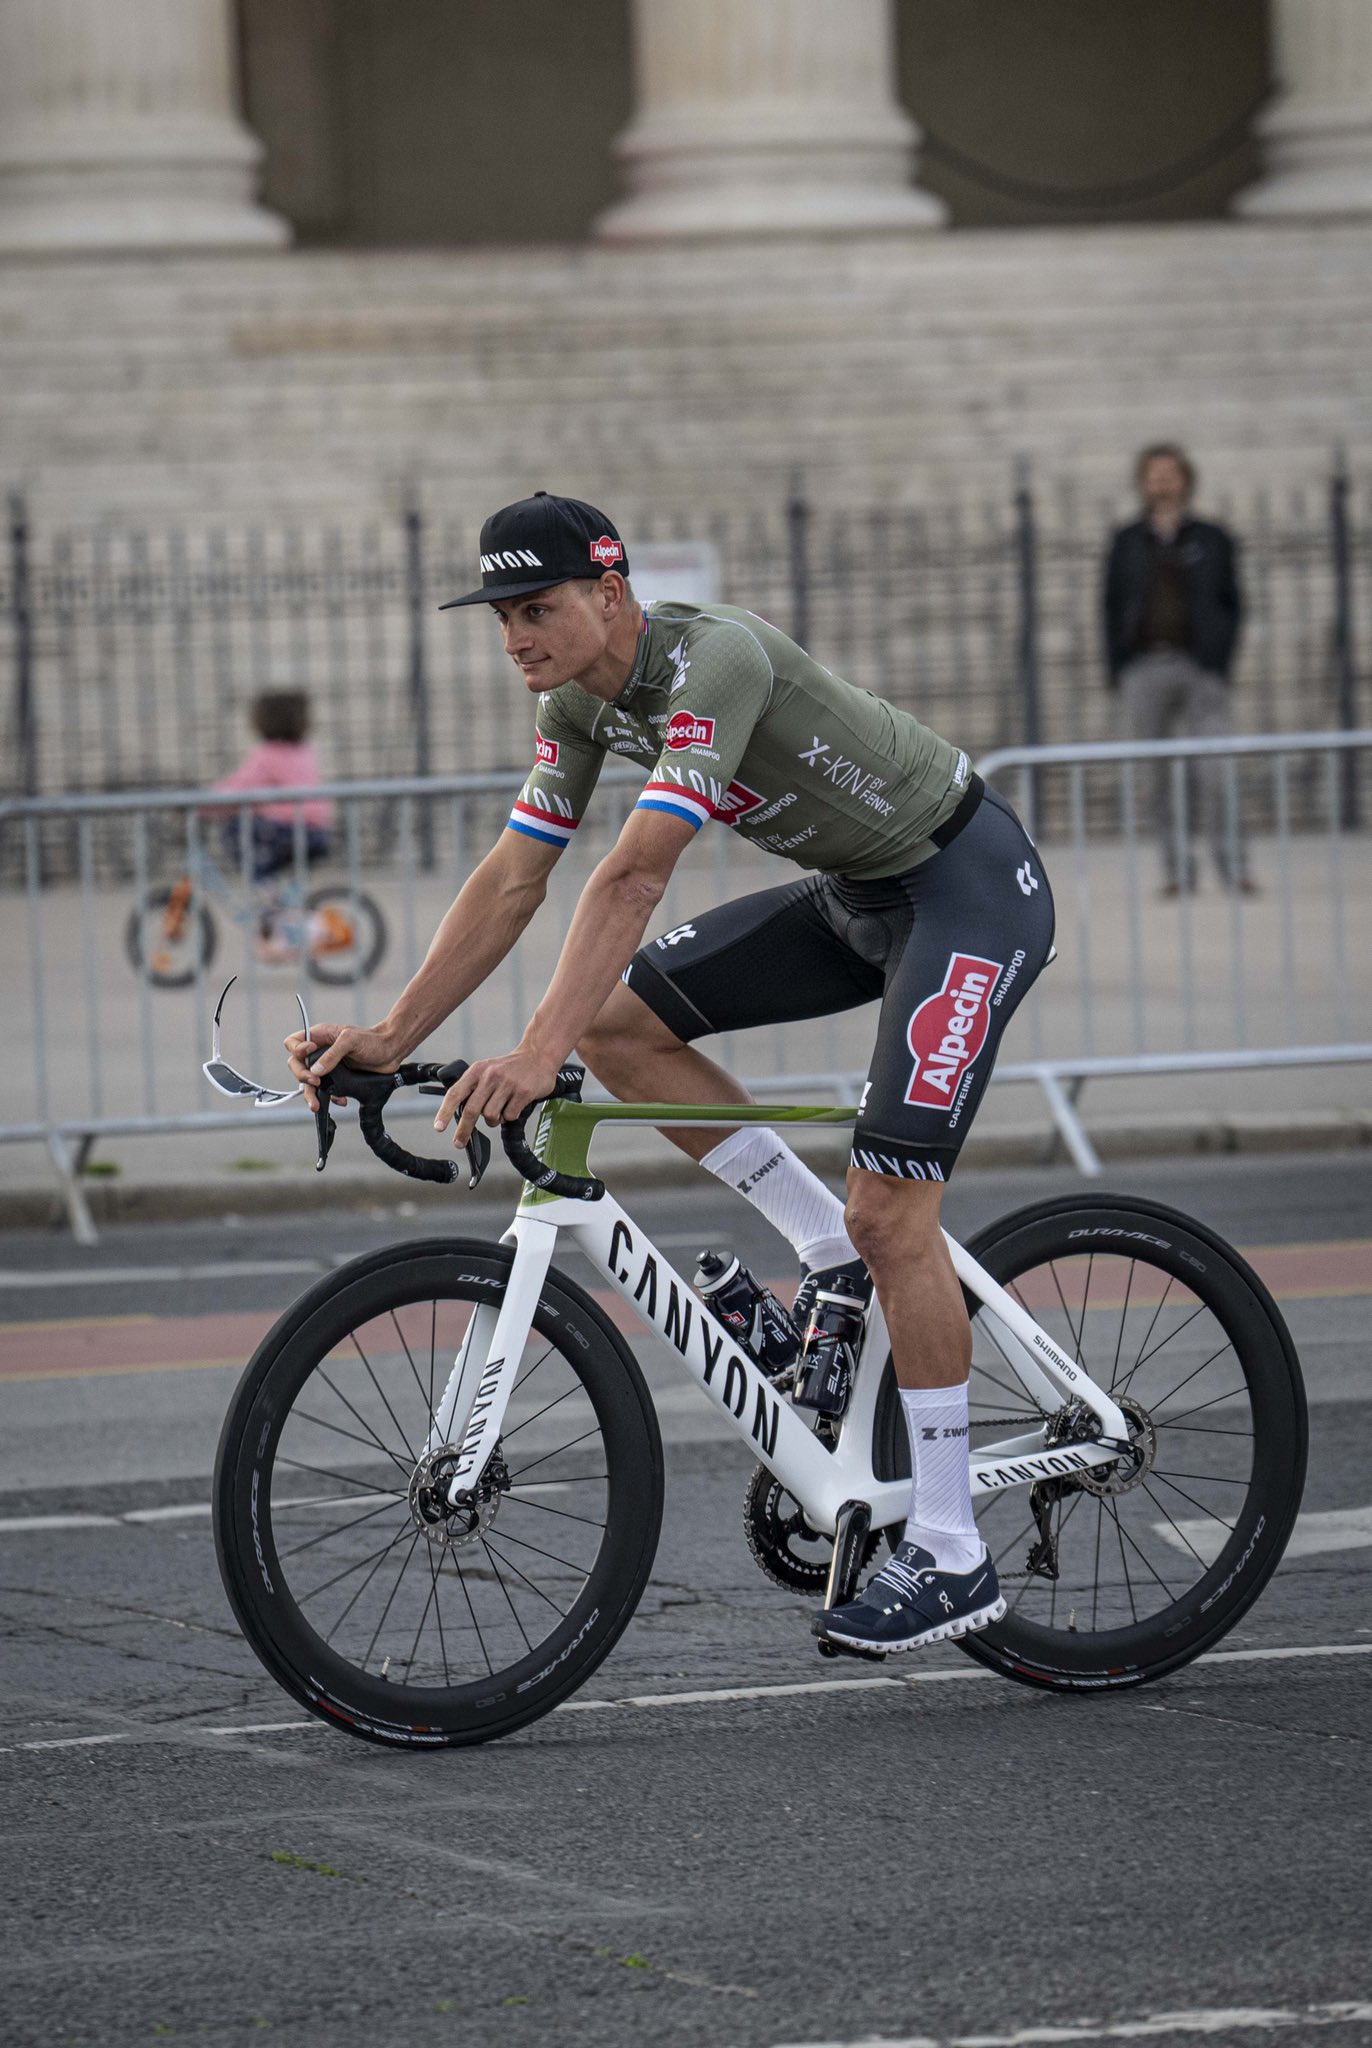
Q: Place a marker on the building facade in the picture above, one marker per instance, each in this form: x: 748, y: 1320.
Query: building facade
x: 205, y: 124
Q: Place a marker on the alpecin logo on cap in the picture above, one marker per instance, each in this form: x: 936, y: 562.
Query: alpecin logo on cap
x: 684, y: 729
x: 949, y: 1029
x: 606, y: 551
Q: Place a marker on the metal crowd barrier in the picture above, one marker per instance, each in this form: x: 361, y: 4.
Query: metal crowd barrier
x: 1142, y: 987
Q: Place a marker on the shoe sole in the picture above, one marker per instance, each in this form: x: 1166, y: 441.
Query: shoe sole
x: 946, y: 1632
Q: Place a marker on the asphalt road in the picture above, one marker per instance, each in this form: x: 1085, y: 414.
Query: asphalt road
x: 723, y: 1840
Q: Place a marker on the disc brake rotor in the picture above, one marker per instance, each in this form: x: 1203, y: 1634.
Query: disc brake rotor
x: 454, y: 1524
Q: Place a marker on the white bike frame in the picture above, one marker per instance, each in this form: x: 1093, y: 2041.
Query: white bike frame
x: 822, y: 1479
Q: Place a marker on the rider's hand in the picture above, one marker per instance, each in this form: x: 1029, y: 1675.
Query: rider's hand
x: 495, y: 1090
x: 370, y: 1050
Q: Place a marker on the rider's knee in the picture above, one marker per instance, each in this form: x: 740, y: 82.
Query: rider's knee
x: 890, y: 1219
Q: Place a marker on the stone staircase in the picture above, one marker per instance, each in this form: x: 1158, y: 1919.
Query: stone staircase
x: 327, y: 385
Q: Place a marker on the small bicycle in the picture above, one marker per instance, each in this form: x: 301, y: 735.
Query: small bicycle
x: 440, y: 1482
x: 339, y: 932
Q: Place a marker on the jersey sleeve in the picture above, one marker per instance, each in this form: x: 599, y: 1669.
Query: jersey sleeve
x: 724, y: 681
x: 566, y: 767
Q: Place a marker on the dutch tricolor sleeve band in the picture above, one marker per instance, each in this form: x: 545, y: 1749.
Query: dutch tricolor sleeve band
x: 548, y: 826
x: 678, y: 802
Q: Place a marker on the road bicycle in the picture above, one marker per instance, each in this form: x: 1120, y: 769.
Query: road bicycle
x: 172, y: 936
x: 440, y: 1482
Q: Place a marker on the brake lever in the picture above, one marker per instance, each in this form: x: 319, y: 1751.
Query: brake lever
x: 478, y: 1146
x: 325, y: 1129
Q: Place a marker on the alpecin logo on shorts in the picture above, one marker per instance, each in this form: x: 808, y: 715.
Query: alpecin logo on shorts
x: 949, y: 1029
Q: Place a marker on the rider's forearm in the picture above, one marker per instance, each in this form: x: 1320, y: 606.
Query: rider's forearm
x: 605, y: 933
x: 490, y: 913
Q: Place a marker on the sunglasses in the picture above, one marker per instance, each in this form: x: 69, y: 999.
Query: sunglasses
x: 229, y: 1081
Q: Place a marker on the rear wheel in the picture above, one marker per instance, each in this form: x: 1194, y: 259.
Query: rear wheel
x: 1127, y: 1572
x: 346, y: 935
x: 372, y: 1602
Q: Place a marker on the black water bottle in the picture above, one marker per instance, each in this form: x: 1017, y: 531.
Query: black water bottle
x: 829, y: 1350
x: 752, y: 1314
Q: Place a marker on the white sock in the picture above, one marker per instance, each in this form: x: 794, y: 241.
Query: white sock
x: 794, y: 1200
x: 941, y: 1518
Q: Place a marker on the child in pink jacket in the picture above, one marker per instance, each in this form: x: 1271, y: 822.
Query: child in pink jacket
x: 282, y: 759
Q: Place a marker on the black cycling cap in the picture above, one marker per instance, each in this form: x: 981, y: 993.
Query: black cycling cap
x: 541, y: 541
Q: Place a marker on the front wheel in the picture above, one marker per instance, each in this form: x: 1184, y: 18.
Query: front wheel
x: 171, y: 937
x: 372, y: 1602
x: 1131, y: 1570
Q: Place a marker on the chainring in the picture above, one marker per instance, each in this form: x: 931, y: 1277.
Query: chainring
x: 787, y: 1549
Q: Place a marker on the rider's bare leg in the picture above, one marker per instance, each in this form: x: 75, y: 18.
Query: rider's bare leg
x: 634, y: 1054
x: 895, y: 1226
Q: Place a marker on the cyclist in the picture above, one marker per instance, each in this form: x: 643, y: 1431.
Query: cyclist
x: 927, y: 895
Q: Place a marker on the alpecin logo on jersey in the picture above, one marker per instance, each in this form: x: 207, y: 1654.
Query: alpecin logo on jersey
x: 606, y: 551
x: 545, y: 751
x: 738, y: 801
x: 684, y: 729
x: 949, y: 1029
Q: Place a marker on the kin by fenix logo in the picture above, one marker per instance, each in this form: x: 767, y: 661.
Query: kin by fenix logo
x: 1027, y: 879
x: 683, y: 931
x: 511, y: 558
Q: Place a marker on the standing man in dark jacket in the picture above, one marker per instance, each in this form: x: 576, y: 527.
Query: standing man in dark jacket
x: 1172, y: 612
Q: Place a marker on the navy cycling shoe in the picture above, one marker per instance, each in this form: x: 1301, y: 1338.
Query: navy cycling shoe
x: 908, y: 1602
x: 823, y: 1278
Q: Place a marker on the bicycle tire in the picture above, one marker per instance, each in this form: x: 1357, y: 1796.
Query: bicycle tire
x: 1196, y: 1275
x: 254, y: 1510
x: 155, y: 902
x: 363, y: 909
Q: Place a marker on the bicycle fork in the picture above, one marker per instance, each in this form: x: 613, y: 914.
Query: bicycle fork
x: 471, y: 1408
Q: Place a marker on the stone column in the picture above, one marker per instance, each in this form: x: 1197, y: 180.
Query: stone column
x: 1318, y: 136
x: 766, y: 117
x: 118, y: 129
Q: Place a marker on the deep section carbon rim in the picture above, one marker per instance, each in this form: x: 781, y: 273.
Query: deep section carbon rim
x: 1116, y: 1574
x: 362, y: 1587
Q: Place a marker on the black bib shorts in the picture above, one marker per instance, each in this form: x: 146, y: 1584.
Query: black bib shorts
x: 949, y: 949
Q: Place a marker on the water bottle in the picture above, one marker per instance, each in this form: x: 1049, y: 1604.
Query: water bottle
x: 752, y: 1314
x: 828, y: 1358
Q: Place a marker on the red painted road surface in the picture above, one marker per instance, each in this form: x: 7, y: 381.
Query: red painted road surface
x: 83, y: 1346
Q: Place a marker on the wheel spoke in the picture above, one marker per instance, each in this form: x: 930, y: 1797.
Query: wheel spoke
x: 565, y: 1513
x: 390, y: 1598
x: 575, y: 1388
x: 510, y: 1565
x: 343, y: 1478
x: 1162, y: 1510
x: 500, y: 1581
x: 466, y: 1594
x: 1230, y: 1526
x: 387, y: 1507
x: 1205, y: 1362
x: 533, y: 1463
x: 399, y: 1463
x: 385, y: 1402
x: 1124, y: 1311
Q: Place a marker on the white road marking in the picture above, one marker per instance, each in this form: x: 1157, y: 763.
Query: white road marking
x: 1234, y: 2019
x: 1330, y: 1529
x: 127, y: 1276
x: 721, y: 1696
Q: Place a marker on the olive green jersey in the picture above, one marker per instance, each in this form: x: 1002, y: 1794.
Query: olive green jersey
x: 735, y: 722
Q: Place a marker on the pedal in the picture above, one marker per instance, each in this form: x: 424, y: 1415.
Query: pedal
x: 851, y: 1530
